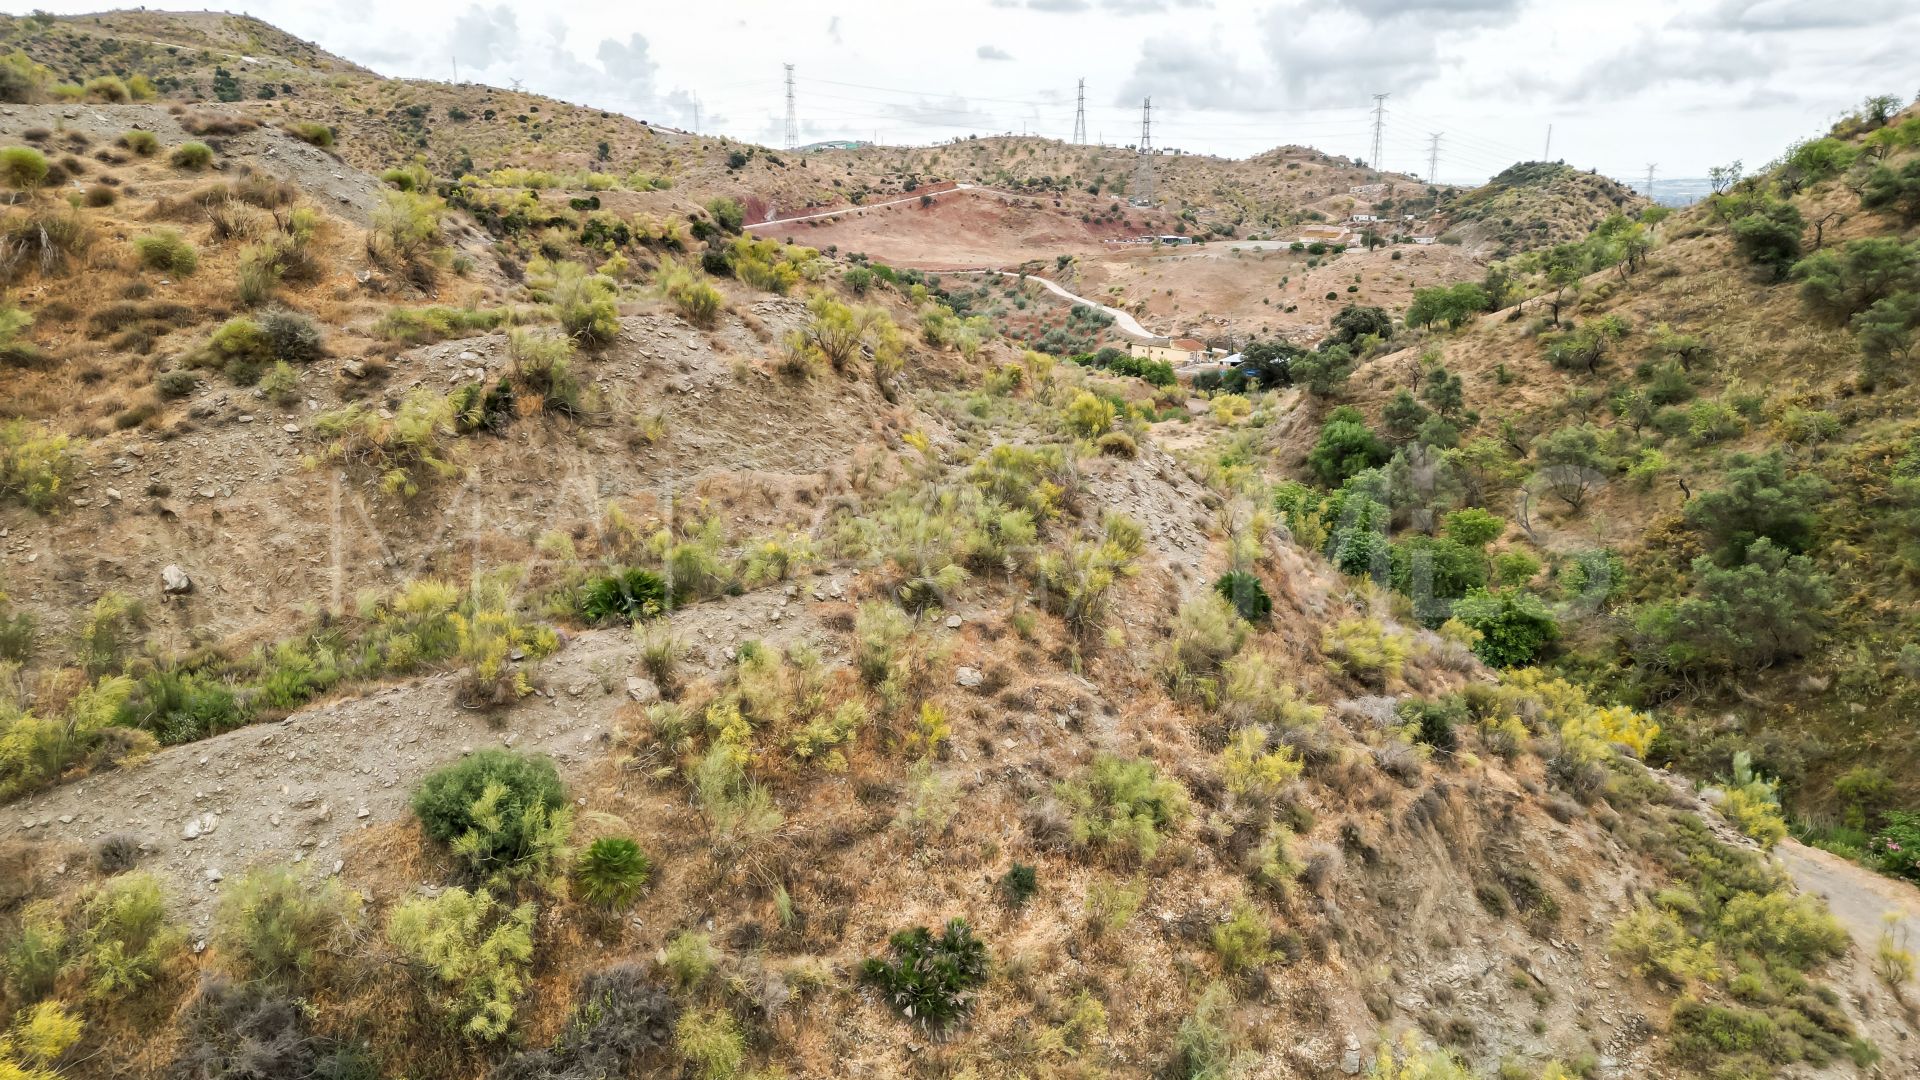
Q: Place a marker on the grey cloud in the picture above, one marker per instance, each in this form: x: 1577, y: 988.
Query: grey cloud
x: 1191, y: 74
x: 483, y: 35
x: 1669, y: 60
x: 952, y: 111
x: 989, y: 52
x: 629, y: 66
x: 1768, y: 16
x: 1430, y: 12
x: 833, y: 29
x: 1059, y: 7
x: 1150, y: 7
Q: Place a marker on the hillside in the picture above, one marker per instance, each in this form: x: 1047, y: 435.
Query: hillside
x: 1533, y: 204
x: 473, y: 607
x: 1713, y: 378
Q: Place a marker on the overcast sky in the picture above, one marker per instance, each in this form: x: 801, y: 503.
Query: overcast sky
x: 1684, y: 84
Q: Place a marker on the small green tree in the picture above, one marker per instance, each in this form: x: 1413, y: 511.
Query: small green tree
x: 1770, y: 236
x: 1347, y: 446
x: 1515, y: 626
x: 1759, y: 500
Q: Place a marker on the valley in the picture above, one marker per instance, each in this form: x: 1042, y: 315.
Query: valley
x: 493, y: 588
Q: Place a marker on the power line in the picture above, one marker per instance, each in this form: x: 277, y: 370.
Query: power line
x: 1080, y: 115
x: 1547, y: 154
x: 793, y: 121
x: 1379, y: 121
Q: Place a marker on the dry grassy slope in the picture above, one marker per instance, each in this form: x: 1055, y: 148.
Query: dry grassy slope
x: 1531, y: 205
x: 1257, y: 194
x: 1388, y: 934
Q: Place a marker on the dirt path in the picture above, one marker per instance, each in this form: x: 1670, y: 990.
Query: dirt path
x: 844, y: 210
x: 294, y: 790
x: 1122, y: 320
x: 1858, y: 897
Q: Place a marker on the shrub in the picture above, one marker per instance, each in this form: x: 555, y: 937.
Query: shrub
x: 311, y: 133
x: 476, y: 952
x: 405, y: 229
x: 1254, y: 771
x: 1758, y: 501
x: 1346, y: 447
x: 697, y: 301
x: 143, y: 143
x: 1365, y: 649
x: 1656, y: 943
x: 1205, y: 634
x: 1896, y: 846
x: 583, y: 303
x: 23, y: 168
x: 39, y: 1038
x: 36, y: 466
x: 1018, y: 884
x: 1122, y: 805
x: 99, y: 195
x: 711, y: 1041
x: 127, y: 938
x: 1089, y: 415
x: 1244, y: 941
x: 1515, y: 626
x: 630, y: 595
x: 272, y: 925
x: 504, y: 813
x: 34, y: 953
x: 292, y: 336
x: 166, y: 250
x: 1248, y: 596
x: 1770, y: 236
x: 690, y: 958
x: 612, y: 871
x: 931, y: 980
x: 1779, y: 927
x: 405, y: 448
x: 727, y: 213
x: 191, y: 155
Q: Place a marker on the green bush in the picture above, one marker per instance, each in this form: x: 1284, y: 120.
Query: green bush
x: 180, y: 706
x: 418, y: 326
x: 23, y: 168
x: 711, y: 1042
x: 727, y: 213
x: 697, y: 301
x: 273, y: 925
x: 312, y: 133
x: 1365, y: 649
x: 630, y: 595
x: 931, y: 980
x: 126, y: 937
x: 1778, y: 927
x: 612, y: 871
x: 1515, y: 626
x: 191, y: 155
x: 1248, y: 596
x: 1018, y: 884
x: 143, y: 143
x: 36, y: 465
x: 505, y: 813
x: 166, y: 250
x: 1244, y: 941
x: 1122, y: 805
x: 474, y: 951
x: 1346, y: 446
